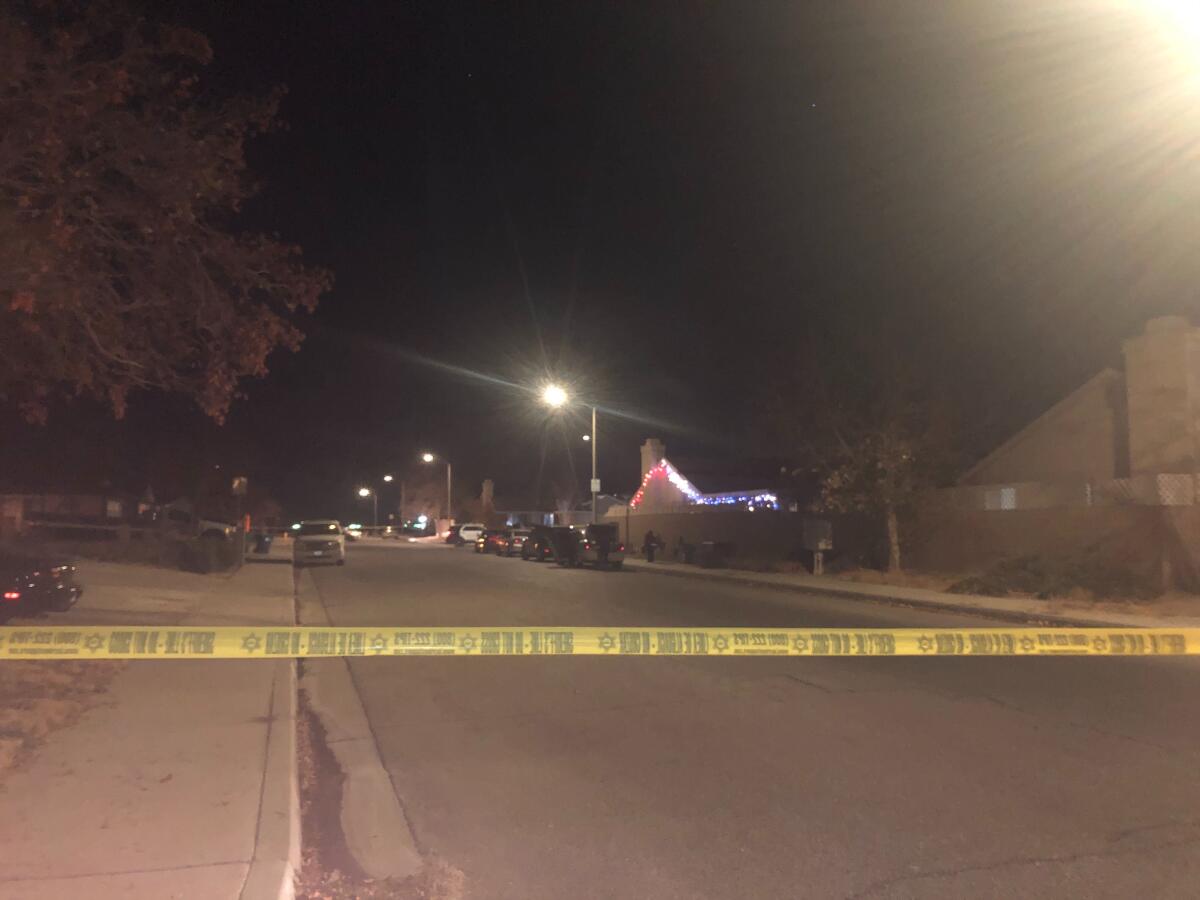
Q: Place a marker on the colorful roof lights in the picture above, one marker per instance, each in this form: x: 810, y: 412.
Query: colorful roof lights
x: 751, y: 500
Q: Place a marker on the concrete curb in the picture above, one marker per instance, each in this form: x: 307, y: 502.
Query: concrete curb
x: 374, y: 824
x: 277, y: 840
x: 883, y: 596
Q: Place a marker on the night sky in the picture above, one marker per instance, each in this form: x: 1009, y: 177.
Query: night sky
x: 650, y: 199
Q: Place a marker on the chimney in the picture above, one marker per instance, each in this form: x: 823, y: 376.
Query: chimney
x: 1162, y: 388
x: 653, y: 451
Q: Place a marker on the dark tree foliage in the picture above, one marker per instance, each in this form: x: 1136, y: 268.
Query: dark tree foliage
x: 121, y: 263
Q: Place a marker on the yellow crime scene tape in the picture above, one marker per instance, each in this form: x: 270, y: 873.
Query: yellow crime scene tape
x: 64, y: 642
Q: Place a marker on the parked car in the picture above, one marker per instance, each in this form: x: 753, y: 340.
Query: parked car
x: 600, y: 546
x: 496, y: 540
x: 181, y: 521
x: 516, y: 541
x: 568, y: 545
x: 470, y: 531
x: 33, y: 585
x: 538, y: 544
x: 453, y: 536
x: 319, y: 541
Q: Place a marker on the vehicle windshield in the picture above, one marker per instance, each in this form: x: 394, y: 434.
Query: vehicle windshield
x: 308, y: 529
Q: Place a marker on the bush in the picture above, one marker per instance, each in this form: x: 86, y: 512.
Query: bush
x: 205, y: 555
x: 1045, y: 577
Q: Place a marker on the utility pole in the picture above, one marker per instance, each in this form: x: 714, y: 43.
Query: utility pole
x: 449, y: 496
x: 595, y: 480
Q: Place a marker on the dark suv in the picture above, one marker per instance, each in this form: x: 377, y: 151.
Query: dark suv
x: 601, y: 546
x: 539, y: 544
x: 590, y: 545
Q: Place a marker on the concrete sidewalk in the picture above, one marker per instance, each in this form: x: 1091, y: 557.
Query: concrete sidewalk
x: 183, y: 783
x: 1010, y: 609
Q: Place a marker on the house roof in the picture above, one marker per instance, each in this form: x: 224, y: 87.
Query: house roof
x: 1102, y: 377
x: 723, y: 476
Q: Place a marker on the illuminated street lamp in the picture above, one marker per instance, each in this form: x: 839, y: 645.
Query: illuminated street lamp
x: 428, y: 458
x: 366, y: 492
x: 388, y: 478
x: 556, y: 397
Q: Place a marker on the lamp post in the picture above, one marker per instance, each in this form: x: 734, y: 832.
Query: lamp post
x: 365, y: 492
x: 388, y: 479
x: 556, y: 397
x: 428, y: 458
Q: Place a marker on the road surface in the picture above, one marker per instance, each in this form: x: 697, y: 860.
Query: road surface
x: 764, y: 777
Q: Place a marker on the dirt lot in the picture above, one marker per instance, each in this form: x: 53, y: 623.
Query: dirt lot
x: 38, y: 697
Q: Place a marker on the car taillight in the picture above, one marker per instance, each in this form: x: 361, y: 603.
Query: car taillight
x: 587, y: 545
x: 620, y: 548
x: 12, y: 595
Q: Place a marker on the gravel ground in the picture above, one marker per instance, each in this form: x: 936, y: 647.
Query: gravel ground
x: 38, y: 697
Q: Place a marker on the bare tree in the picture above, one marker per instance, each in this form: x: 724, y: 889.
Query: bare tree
x: 865, y: 422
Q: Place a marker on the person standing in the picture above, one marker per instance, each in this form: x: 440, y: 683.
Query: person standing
x: 649, y: 545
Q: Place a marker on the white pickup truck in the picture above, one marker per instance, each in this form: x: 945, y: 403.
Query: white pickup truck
x: 181, y: 521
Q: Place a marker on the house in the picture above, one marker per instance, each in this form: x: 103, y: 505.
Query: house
x: 1108, y: 472
x: 1130, y: 434
x: 665, y: 488
x: 102, y: 507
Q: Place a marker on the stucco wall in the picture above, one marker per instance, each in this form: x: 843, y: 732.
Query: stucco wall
x: 1146, y: 539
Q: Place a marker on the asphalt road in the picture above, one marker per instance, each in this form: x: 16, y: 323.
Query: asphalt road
x: 765, y: 777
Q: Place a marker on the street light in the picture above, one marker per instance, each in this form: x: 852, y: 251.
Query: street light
x: 556, y: 397
x: 366, y: 492
x: 428, y: 458
x: 388, y: 479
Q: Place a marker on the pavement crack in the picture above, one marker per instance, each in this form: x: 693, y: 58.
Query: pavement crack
x: 1157, y: 826
x: 813, y: 684
x: 884, y: 884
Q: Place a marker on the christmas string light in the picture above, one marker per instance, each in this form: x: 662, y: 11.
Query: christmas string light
x: 665, y: 470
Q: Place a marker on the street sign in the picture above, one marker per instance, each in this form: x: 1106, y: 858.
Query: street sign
x: 595, y: 485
